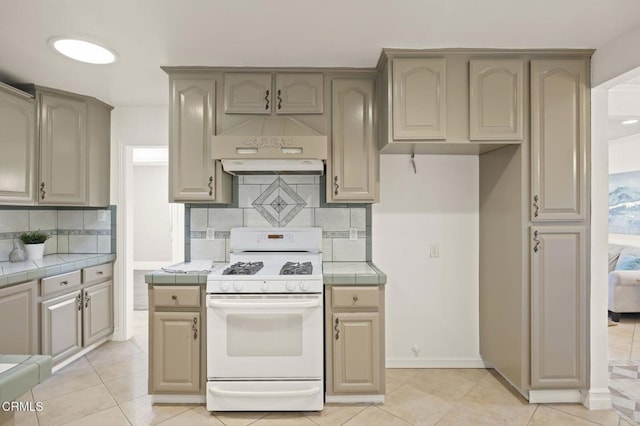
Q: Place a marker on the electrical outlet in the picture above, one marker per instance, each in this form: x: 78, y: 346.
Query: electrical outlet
x: 434, y: 250
x: 211, y: 233
x: 353, y: 233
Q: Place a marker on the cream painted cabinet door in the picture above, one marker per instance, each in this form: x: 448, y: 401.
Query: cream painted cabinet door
x: 175, y: 352
x: 62, y: 326
x: 496, y: 99
x: 191, y: 168
x: 99, y: 155
x: 559, y: 306
x: 354, y: 156
x: 63, y: 147
x: 559, y: 131
x: 356, y: 360
x: 247, y: 93
x: 98, y: 312
x: 18, y: 319
x: 419, y: 99
x: 17, y: 144
x: 299, y: 93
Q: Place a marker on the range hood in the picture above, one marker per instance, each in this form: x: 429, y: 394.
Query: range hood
x: 270, y: 145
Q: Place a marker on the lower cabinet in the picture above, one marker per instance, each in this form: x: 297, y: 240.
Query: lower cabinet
x: 76, y: 313
x: 354, y: 343
x: 176, y: 347
x: 19, y: 319
x: 176, y: 352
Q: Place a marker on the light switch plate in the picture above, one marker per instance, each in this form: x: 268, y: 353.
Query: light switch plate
x: 434, y: 250
x: 211, y: 233
x: 102, y: 215
x: 353, y: 233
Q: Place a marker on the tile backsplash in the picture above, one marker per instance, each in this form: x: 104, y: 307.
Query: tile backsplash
x: 71, y: 230
x: 279, y: 201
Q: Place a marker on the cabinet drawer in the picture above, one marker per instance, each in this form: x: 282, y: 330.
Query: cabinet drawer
x: 97, y: 273
x: 355, y: 297
x: 176, y: 297
x: 60, y: 282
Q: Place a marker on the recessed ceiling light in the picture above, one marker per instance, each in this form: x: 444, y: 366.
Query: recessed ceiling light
x: 633, y: 121
x: 83, y: 51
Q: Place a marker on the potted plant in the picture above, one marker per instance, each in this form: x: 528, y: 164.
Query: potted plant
x: 34, y: 243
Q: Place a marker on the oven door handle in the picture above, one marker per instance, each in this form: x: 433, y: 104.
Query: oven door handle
x: 264, y: 305
x: 274, y: 394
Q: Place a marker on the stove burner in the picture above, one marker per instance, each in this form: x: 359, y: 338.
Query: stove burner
x: 296, y: 268
x: 243, y: 268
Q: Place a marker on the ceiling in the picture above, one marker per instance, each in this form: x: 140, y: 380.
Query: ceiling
x: 149, y: 33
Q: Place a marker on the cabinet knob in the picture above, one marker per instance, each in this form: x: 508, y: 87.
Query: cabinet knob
x: 174, y: 297
x: 355, y: 298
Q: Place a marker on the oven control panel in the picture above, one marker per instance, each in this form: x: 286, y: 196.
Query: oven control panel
x: 264, y: 286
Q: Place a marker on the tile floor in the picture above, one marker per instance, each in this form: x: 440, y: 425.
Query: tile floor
x: 624, y: 366
x: 109, y: 387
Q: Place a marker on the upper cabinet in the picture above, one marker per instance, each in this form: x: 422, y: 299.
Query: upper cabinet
x: 419, y: 99
x: 17, y: 144
x: 559, y: 130
x: 352, y: 175
x: 253, y: 93
x: 63, y: 150
x: 71, y: 135
x: 194, y: 176
x: 496, y: 104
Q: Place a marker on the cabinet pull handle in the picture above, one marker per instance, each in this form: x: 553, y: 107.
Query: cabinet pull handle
x: 64, y: 282
x: 335, y: 185
x: 266, y: 98
x: 210, y: 185
x: 87, y: 299
x: 79, y: 301
x: 279, y: 99
x: 337, y: 328
x: 99, y: 273
x: 42, y: 191
x: 174, y: 297
x: 355, y: 298
x: 536, y: 240
x: 194, y: 328
x: 535, y: 205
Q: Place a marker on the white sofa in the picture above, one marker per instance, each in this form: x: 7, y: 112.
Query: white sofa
x: 624, y: 285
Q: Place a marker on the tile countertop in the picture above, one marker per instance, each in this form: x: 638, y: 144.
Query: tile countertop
x: 334, y: 273
x: 52, y: 264
x: 350, y: 273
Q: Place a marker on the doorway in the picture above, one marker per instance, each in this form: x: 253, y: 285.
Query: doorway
x: 155, y: 236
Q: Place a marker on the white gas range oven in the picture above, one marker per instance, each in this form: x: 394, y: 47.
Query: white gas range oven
x: 265, y: 323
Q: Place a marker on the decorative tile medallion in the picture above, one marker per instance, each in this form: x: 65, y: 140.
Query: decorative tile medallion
x: 279, y: 203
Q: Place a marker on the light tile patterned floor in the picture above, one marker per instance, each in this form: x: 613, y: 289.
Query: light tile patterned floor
x: 109, y: 387
x: 624, y: 366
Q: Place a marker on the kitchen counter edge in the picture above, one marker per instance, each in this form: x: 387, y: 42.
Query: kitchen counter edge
x: 50, y: 265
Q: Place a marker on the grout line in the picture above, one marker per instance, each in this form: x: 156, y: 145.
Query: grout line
x: 533, y: 414
x: 381, y: 407
x: 570, y: 414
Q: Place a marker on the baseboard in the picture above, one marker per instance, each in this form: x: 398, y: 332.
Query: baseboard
x: 597, y: 399
x: 178, y: 399
x: 352, y: 399
x: 80, y: 354
x: 555, y: 396
x: 435, y: 363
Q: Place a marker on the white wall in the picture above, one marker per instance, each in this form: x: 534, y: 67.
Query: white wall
x: 152, y: 240
x: 624, y: 154
x: 616, y: 58
x: 432, y: 303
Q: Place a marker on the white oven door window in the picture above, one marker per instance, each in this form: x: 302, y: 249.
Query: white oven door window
x: 271, y: 336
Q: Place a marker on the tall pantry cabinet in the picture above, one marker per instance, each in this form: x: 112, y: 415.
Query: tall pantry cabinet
x: 534, y: 225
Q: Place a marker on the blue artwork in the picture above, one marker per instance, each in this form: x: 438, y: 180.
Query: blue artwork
x: 624, y: 203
